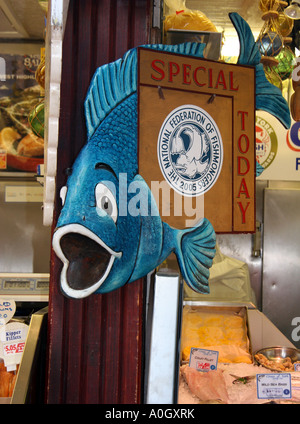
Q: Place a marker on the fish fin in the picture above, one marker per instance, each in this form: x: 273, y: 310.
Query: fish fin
x: 259, y: 169
x: 110, y: 85
x: 189, y: 49
x: 268, y: 97
x: 195, y: 252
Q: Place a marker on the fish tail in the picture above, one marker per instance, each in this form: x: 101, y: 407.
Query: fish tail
x: 268, y: 97
x: 195, y: 250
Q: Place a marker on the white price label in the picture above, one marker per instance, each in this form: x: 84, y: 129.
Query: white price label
x: 7, y: 310
x: 274, y: 386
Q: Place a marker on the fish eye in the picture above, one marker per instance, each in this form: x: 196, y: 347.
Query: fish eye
x: 106, y: 201
x: 63, y: 193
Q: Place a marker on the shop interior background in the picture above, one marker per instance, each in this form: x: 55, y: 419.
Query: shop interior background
x: 270, y: 254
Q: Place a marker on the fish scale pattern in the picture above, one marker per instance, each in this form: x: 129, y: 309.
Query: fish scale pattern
x: 116, y: 137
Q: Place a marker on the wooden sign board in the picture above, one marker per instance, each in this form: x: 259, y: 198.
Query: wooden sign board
x: 197, y: 139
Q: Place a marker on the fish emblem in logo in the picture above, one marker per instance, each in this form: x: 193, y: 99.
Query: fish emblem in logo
x: 190, y: 150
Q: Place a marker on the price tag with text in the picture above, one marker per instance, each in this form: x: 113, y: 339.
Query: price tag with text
x: 274, y: 386
x: 203, y: 359
x: 12, y: 343
x: 13, y: 348
x: 7, y: 310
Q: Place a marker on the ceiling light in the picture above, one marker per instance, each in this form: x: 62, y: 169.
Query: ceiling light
x: 293, y: 11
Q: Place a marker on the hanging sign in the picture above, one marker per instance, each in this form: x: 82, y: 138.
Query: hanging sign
x: 197, y: 139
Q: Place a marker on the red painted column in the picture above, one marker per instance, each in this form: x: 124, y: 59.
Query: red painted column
x: 95, y: 345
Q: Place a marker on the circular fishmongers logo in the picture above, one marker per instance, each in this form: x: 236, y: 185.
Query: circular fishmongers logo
x: 266, y: 142
x: 190, y: 150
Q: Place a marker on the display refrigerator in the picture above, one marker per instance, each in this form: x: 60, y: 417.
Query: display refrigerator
x: 168, y: 299
x: 25, y: 241
x: 24, y: 282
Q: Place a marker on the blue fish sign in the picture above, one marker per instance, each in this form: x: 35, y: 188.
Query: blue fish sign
x: 109, y: 231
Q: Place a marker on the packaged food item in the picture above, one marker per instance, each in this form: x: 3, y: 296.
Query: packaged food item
x: 9, y: 139
x: 31, y: 146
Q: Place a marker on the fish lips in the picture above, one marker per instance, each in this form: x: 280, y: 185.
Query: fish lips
x: 86, y: 259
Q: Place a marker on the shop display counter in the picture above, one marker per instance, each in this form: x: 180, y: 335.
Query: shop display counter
x: 165, y: 340
x: 30, y: 382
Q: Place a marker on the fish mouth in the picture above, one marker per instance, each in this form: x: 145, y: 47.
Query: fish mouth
x: 87, y: 260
